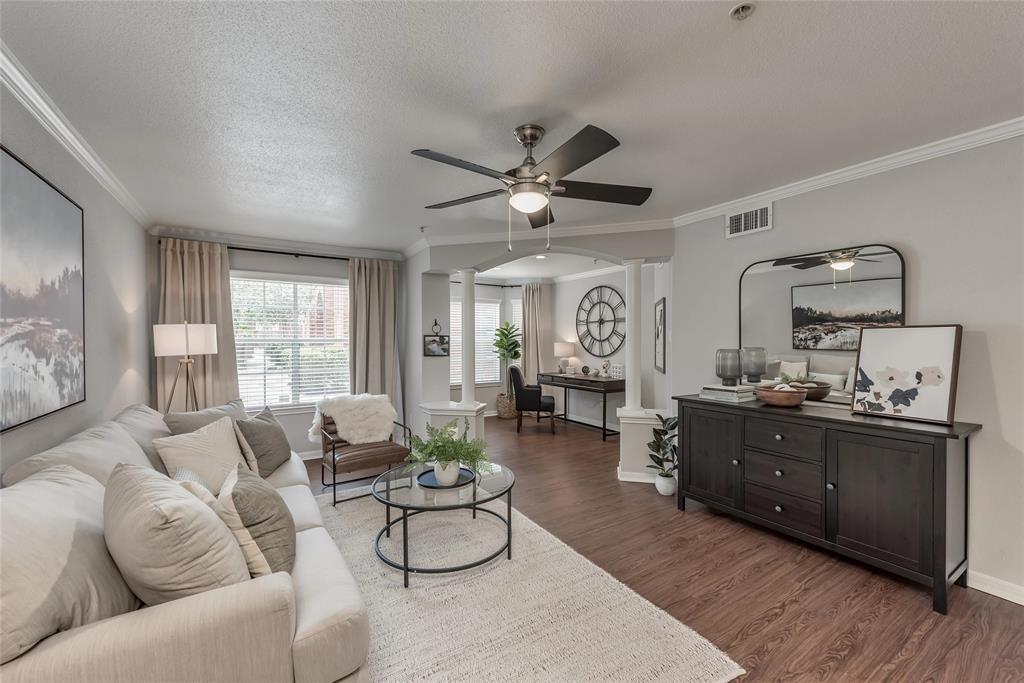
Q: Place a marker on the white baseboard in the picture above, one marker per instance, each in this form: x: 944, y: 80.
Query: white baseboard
x: 637, y: 477
x: 594, y: 422
x: 997, y: 587
x: 490, y: 413
x: 311, y: 455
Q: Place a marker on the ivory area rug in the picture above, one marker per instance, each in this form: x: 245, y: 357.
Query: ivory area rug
x: 548, y: 614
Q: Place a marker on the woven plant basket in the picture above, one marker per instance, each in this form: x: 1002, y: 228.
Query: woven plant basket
x: 506, y: 406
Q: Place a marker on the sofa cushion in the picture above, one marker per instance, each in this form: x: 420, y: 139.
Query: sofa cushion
x: 212, y: 452
x: 266, y: 437
x: 302, y: 505
x: 57, y: 573
x: 144, y: 425
x: 95, y: 451
x: 183, y: 423
x: 166, y: 542
x: 332, y: 627
x: 260, y: 521
x: 292, y: 473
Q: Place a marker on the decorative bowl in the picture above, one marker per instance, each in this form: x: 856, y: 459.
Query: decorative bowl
x: 782, y: 399
x: 815, y: 390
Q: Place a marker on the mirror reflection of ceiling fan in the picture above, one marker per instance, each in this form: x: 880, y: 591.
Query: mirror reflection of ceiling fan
x: 838, y: 260
x: 530, y: 185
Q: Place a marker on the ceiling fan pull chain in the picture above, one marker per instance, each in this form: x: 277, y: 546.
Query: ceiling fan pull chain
x: 509, y: 228
x: 548, y: 247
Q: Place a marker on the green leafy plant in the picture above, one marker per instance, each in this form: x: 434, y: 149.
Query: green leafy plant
x: 786, y: 378
x: 445, y: 445
x: 508, y: 347
x: 663, y: 450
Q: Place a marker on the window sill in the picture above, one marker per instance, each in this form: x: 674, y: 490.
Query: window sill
x: 302, y: 409
x: 483, y: 385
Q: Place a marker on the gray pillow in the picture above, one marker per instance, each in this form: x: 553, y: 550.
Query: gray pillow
x: 183, y: 423
x: 266, y: 438
x: 260, y: 521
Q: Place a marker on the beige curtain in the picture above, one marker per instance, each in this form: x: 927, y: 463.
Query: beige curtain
x: 195, y: 286
x: 531, y: 331
x: 373, y: 328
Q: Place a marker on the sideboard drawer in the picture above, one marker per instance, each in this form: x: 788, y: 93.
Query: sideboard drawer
x: 787, y: 438
x: 784, y: 474
x: 782, y: 508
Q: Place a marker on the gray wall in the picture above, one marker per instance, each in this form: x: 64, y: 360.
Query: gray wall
x: 959, y: 221
x: 117, y: 347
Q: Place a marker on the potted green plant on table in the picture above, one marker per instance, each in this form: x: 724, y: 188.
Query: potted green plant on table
x: 447, y: 450
x: 664, y: 454
x: 509, y: 349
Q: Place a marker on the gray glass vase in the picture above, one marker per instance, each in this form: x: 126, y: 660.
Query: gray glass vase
x: 727, y: 366
x: 754, y: 360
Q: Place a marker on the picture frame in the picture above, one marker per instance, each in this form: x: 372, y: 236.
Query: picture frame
x: 42, y: 294
x: 908, y: 372
x: 659, y: 335
x: 436, y: 345
x: 868, y: 302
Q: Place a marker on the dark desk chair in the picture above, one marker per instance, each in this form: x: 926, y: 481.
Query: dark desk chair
x: 529, y: 398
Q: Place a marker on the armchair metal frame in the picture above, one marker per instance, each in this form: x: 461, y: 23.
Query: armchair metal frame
x: 337, y: 442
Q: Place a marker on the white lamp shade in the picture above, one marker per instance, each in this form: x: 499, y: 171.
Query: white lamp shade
x: 564, y: 349
x: 184, y: 339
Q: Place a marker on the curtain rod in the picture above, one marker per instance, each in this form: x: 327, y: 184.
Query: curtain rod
x: 484, y: 284
x: 282, y: 253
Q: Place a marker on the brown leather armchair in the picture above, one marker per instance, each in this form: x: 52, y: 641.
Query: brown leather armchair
x: 342, y: 457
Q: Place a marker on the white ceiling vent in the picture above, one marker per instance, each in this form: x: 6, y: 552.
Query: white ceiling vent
x: 755, y: 219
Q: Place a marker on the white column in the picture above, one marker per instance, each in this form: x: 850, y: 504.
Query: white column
x: 468, y: 336
x: 633, y: 333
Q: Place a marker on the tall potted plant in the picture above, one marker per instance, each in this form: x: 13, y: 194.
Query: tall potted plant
x: 509, y: 349
x: 447, y: 450
x: 664, y: 454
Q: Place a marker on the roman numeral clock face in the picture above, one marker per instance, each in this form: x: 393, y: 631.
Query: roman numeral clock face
x: 601, y: 321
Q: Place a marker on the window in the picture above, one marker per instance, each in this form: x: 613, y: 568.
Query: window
x: 516, y: 312
x: 488, y: 365
x: 291, y: 340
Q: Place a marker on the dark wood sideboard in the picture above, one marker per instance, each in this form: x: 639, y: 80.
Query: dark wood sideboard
x: 890, y: 493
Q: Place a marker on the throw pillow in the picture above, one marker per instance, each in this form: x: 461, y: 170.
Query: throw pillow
x: 183, y: 423
x: 837, y: 381
x: 167, y: 543
x: 851, y: 379
x: 792, y: 369
x: 260, y: 521
x: 144, y: 424
x: 265, y: 436
x: 57, y: 573
x: 211, y: 452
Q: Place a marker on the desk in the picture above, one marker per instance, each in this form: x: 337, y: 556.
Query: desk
x: 591, y: 383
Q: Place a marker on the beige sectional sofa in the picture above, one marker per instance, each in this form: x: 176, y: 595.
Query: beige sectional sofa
x: 309, y: 626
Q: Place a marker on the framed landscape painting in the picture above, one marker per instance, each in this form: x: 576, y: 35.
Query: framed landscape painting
x: 659, y: 335
x: 42, y: 296
x: 830, y: 316
x: 908, y: 372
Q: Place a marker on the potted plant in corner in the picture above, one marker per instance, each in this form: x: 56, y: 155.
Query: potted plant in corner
x: 664, y: 455
x: 447, y: 450
x: 509, y: 349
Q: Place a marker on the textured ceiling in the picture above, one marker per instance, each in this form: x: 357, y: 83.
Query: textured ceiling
x: 552, y: 266
x: 295, y: 120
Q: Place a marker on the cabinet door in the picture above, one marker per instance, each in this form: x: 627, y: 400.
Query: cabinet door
x: 712, y: 455
x: 879, y: 498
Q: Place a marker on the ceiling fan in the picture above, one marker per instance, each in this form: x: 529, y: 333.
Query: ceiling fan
x: 838, y: 260
x: 530, y: 185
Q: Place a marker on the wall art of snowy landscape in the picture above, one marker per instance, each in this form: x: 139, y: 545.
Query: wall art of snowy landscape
x: 830, y: 316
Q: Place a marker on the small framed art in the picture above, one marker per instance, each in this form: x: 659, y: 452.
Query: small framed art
x: 436, y: 345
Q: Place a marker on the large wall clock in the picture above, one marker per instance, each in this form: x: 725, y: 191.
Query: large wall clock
x: 601, y: 321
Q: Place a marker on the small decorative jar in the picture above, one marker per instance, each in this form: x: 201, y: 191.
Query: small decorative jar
x: 755, y: 362
x: 727, y: 366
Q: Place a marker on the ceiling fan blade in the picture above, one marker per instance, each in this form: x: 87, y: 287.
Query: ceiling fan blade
x: 466, y: 200
x: 869, y: 260
x: 790, y: 260
x: 810, y: 264
x: 538, y: 219
x: 459, y: 163
x: 577, y: 152
x: 602, y: 192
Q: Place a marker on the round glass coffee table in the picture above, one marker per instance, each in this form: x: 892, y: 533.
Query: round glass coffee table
x: 415, y: 492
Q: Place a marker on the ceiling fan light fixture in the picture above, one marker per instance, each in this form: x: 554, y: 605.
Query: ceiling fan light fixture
x: 528, y: 197
x: 841, y: 263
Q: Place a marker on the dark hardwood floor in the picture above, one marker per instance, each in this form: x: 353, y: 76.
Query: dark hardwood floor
x: 783, y: 610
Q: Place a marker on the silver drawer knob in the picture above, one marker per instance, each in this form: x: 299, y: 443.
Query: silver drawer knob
x: 778, y: 508
x: 778, y: 473
x: 830, y: 486
x: 778, y: 437
x: 735, y: 461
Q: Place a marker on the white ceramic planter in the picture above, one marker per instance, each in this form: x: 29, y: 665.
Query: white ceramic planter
x: 666, y: 485
x: 448, y: 473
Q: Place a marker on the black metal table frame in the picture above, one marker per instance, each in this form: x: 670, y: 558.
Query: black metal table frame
x: 564, y: 416
x: 410, y: 511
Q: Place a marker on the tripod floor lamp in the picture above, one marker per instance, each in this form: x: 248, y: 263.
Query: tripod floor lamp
x: 183, y: 339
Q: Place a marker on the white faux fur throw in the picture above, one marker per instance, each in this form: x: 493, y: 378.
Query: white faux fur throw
x: 363, y: 418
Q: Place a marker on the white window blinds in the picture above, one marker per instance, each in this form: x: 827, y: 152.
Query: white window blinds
x: 516, y: 313
x: 291, y: 340
x: 488, y: 365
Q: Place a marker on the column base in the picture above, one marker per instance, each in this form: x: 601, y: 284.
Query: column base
x: 439, y: 413
x: 635, y: 425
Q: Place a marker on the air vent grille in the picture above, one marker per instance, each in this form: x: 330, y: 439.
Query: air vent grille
x: 753, y: 220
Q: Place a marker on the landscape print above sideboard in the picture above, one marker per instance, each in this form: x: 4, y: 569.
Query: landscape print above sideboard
x: 830, y: 316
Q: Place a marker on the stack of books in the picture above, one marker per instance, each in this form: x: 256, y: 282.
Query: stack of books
x: 719, y: 392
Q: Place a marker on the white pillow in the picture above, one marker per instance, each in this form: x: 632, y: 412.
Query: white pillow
x: 837, y: 381
x: 851, y: 378
x: 793, y: 369
x: 211, y: 452
x: 167, y: 543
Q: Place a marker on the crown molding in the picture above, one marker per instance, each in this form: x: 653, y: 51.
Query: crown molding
x: 415, y: 248
x: 597, y: 272
x: 520, y: 236
x: 958, y: 143
x: 38, y: 103
x: 270, y: 243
